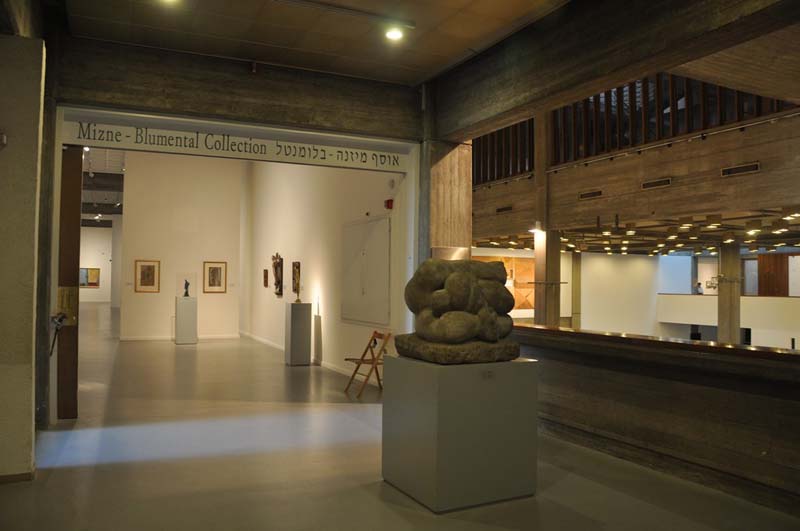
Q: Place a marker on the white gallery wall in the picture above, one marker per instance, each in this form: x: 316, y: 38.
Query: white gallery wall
x: 96, y: 252
x: 675, y: 274
x: 181, y: 210
x: 794, y: 276
x: 117, y: 260
x: 618, y: 293
x: 299, y: 212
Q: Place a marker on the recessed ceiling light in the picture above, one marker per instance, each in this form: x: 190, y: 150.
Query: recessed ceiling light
x: 394, y: 34
x: 86, y: 148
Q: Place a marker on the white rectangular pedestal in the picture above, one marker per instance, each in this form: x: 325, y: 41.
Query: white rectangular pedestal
x: 185, y: 320
x: 456, y: 436
x: 297, y: 348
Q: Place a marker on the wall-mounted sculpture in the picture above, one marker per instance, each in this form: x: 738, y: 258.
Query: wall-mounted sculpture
x: 277, y: 273
x: 296, y: 280
x: 461, y: 313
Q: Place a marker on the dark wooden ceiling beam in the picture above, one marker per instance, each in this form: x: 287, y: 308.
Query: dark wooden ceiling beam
x: 589, y: 46
x: 103, y: 182
x: 97, y: 223
x: 106, y: 209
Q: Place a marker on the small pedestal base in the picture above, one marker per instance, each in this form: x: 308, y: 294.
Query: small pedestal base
x: 297, y: 348
x: 456, y: 436
x: 185, y: 320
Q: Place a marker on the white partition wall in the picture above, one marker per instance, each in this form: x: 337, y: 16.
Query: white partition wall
x: 96, y: 252
x: 301, y: 212
x: 182, y: 211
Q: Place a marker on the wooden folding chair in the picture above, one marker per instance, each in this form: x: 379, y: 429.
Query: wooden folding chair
x: 373, y: 357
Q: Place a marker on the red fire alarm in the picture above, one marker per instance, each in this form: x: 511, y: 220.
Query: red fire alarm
x: 388, y: 204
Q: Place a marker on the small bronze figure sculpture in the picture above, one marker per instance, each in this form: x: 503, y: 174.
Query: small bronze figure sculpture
x: 185, y: 288
x: 296, y: 279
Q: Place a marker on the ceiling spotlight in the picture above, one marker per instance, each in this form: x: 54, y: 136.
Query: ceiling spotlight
x: 660, y: 244
x: 512, y: 243
x: 118, y: 205
x: 698, y: 252
x: 687, y: 223
x: 86, y: 148
x: 714, y: 221
x: 609, y: 253
x: 791, y: 212
x: 571, y: 245
x: 711, y: 248
x: 577, y: 251
x: 673, y: 233
x: 394, y: 34
x: 624, y: 248
x: 713, y: 253
x: 729, y: 238
x: 753, y: 227
x: 753, y: 248
x: 679, y: 245
x: 624, y: 252
x: 493, y: 243
x: 780, y: 244
x: 607, y: 248
x: 563, y: 239
x: 630, y: 229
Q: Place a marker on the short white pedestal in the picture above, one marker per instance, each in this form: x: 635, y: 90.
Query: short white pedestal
x: 456, y: 436
x: 298, y: 333
x: 185, y: 320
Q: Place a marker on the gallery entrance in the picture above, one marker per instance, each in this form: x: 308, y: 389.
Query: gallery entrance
x: 216, y: 220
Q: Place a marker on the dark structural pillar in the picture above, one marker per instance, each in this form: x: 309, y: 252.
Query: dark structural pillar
x: 729, y: 294
x: 546, y: 242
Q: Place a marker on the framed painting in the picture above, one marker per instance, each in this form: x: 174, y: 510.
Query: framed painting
x: 89, y: 277
x: 147, y: 276
x: 215, y: 277
x: 266, y: 278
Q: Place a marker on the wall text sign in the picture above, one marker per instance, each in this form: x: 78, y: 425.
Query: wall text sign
x: 225, y: 145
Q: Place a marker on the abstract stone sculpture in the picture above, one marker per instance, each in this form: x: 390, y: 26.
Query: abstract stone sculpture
x: 461, y: 313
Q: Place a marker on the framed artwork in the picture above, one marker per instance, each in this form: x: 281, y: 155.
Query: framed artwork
x: 266, y: 278
x: 215, y: 277
x: 89, y: 277
x: 148, y: 276
x: 277, y: 273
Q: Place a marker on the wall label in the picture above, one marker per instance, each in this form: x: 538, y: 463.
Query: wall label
x: 225, y: 145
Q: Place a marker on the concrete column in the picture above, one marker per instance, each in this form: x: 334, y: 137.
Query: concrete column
x: 22, y: 66
x: 729, y: 294
x: 547, y: 243
x: 547, y: 291
x: 451, y: 195
x: 445, y: 193
x: 576, y: 290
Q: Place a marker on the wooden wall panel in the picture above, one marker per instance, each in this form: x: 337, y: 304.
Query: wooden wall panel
x: 519, y: 195
x: 697, y: 185
x: 451, y: 195
x: 729, y: 422
x: 773, y: 275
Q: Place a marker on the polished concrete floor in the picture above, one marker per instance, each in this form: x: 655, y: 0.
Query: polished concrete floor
x: 223, y: 436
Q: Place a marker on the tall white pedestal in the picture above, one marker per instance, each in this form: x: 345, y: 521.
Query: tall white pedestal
x: 456, y: 436
x: 185, y: 320
x: 297, y: 348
